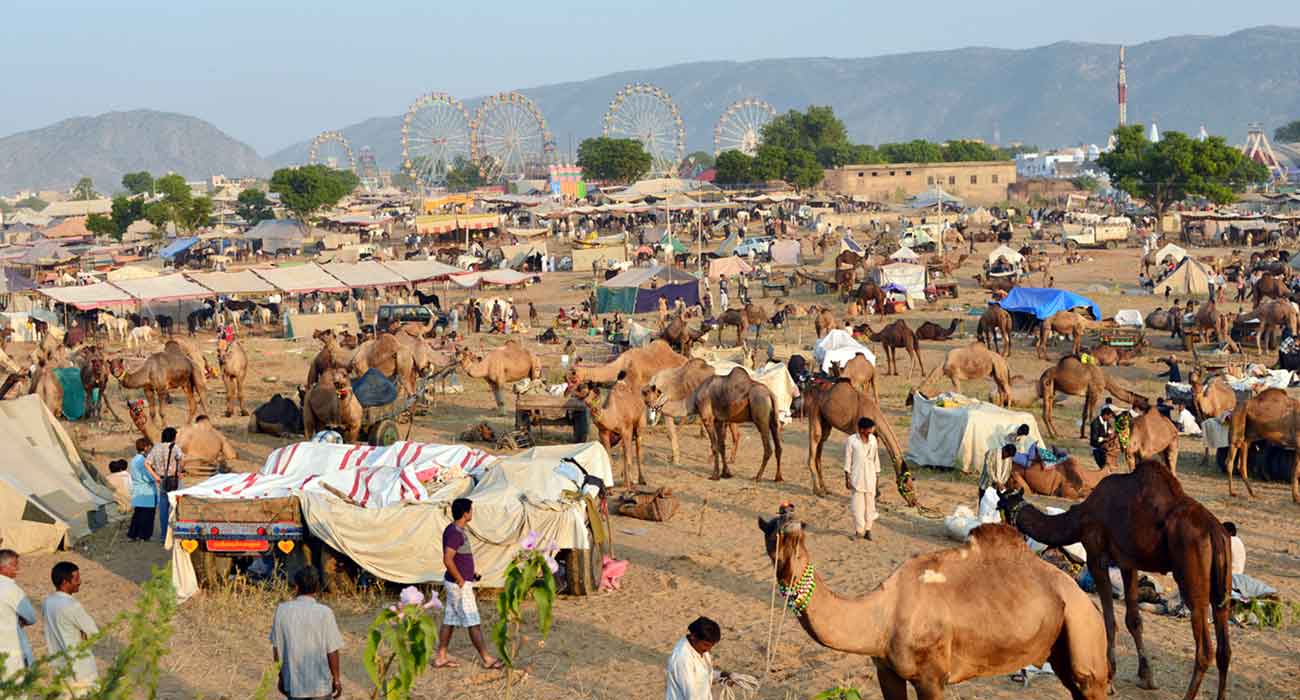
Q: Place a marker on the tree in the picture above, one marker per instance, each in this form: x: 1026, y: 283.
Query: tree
x: 138, y: 183
x: 802, y: 169
x: 1289, y: 133
x: 126, y: 211
x: 33, y: 202
x: 464, y: 175
x: 696, y: 163
x: 1085, y: 182
x: 306, y: 189
x: 769, y: 163
x: 734, y: 167
x: 915, y: 151
x: 5, y: 206
x: 84, y: 190
x: 1167, y: 172
x: 253, y: 206
x: 178, y: 205
x: 101, y: 225
x: 617, y: 160
x: 968, y: 151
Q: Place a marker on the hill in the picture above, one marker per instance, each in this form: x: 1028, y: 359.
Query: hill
x: 106, y: 146
x: 1053, y: 95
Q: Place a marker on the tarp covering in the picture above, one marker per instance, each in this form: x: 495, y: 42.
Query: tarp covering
x: 1129, y: 317
x: 728, y: 247
x: 242, y: 282
x: 1169, y: 251
x: 177, y: 246
x: 911, y: 278
x: 1013, y: 257
x: 169, y: 288
x: 932, y: 197
x: 300, y: 279
x: 648, y: 299
x: 728, y: 267
x: 91, y: 296
x: 498, y: 277
x: 1042, y: 303
x: 904, y: 254
x: 131, y: 272
x: 616, y: 299
x: 785, y: 252
x: 958, y: 436
x: 641, y: 276
x: 584, y: 258
x: 421, y: 270
x: 277, y: 234
x: 839, y: 346
x: 368, y: 273
x: 1191, y: 277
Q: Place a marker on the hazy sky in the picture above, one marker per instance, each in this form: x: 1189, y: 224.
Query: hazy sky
x: 272, y: 72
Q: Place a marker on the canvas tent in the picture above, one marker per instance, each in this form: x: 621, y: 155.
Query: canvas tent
x: 176, y: 247
x: 242, y: 282
x: 1043, y: 303
x: 729, y: 266
x: 911, y: 278
x: 277, y: 235
x: 631, y: 291
x: 1191, y: 277
x: 131, y: 272
x: 1169, y: 251
x: 785, y: 252
x: 954, y: 431
x: 364, y: 274
x: 415, y: 271
x: 932, y: 197
x: 91, y: 296
x: 838, y: 346
x: 300, y: 279
x: 161, y: 289
x: 904, y: 254
x: 48, y: 498
x: 1013, y: 257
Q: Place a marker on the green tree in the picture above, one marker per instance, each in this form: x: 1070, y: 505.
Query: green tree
x: 915, y: 151
x: 769, y: 163
x: 734, y: 167
x: 33, y: 202
x: 1176, y: 167
x: 1289, y: 133
x: 5, y: 206
x: 253, y: 206
x: 101, y: 225
x: 811, y: 130
x: 197, y: 215
x: 969, y: 151
x: 308, y: 188
x: 138, y: 183
x: 84, y: 190
x: 464, y: 175
x: 697, y: 162
x: 616, y: 160
x: 1086, y: 182
x: 802, y: 169
x: 126, y: 211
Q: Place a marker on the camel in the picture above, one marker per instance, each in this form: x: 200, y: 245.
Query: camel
x: 670, y: 392
x: 1143, y: 521
x: 622, y: 415
x: 995, y: 284
x: 46, y: 385
x: 1065, y: 479
x: 94, y: 380
x: 204, y: 447
x: 1111, y: 356
x: 750, y: 316
x: 331, y: 404
x: 894, y: 336
x: 639, y: 364
x: 927, y: 624
x: 1271, y: 416
x: 860, y: 372
x: 1152, y: 435
x: 681, y: 337
x: 974, y: 361
x: 824, y: 322
x: 735, y: 398
x: 234, y: 367
x: 1070, y: 376
x: 1268, y: 287
x: 160, y: 373
x: 1271, y: 316
x: 933, y: 331
x: 994, y: 329
x: 870, y: 295
x: 1066, y: 323
x: 505, y: 365
x: 331, y: 355
x: 839, y: 405
x: 1160, y: 320
x: 388, y: 355
x: 1212, y: 400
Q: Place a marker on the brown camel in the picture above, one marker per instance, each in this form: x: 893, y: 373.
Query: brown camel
x: 994, y: 328
x: 894, y: 336
x: 1272, y: 416
x: 1268, y: 286
x: 507, y: 364
x: 94, y: 380
x: 1111, y: 356
x: 824, y: 322
x: 974, y: 361
x: 860, y: 372
x: 839, y: 405
x: 1065, y: 479
x: 331, y: 355
x: 204, y: 447
x: 1272, y: 315
x: 1206, y: 318
x: 670, y: 392
x: 1072, y: 377
x: 928, y: 623
x: 331, y: 404
x: 680, y: 337
x: 639, y: 364
x: 1066, y: 323
x: 750, y: 316
x: 1160, y: 320
x: 735, y: 398
x: 388, y: 355
x: 1153, y: 436
x: 46, y: 385
x: 870, y: 295
x: 995, y: 284
x: 1212, y: 400
x: 234, y: 368
x: 621, y: 418
x: 1143, y: 521
x: 933, y: 331
x: 159, y: 374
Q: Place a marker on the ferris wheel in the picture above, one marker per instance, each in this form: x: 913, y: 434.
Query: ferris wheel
x: 646, y: 113
x: 509, y: 136
x: 435, y: 131
x: 740, y: 128
x: 332, y: 148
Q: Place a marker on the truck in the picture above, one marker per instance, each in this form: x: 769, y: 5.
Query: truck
x: 408, y: 313
x: 216, y: 532
x: 1096, y: 233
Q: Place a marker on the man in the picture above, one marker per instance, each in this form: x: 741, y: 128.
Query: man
x: 1184, y: 419
x: 165, y: 460
x: 460, y: 609
x: 1026, y: 446
x: 305, y: 640
x: 723, y: 302
x: 67, y: 624
x: 861, y: 465
x: 1175, y: 318
x: 1101, y: 436
x: 997, y: 469
x: 16, y: 612
x: 1171, y: 369
x: 1238, y: 549
x: 690, y: 667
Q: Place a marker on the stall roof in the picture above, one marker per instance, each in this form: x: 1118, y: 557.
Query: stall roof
x: 499, y: 277
x: 415, y: 271
x: 242, y: 282
x: 90, y: 296
x: 177, y: 246
x: 277, y: 234
x: 1045, y: 302
x: 300, y: 279
x: 12, y: 281
x: 368, y: 273
x: 168, y: 288
x: 638, y: 276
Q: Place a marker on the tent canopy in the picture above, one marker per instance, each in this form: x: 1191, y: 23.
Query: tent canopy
x: 177, y: 246
x: 904, y: 254
x: 277, y: 234
x: 365, y: 274
x: 169, y: 288
x: 641, y: 276
x: 959, y: 436
x: 300, y: 279
x: 1042, y: 303
x: 91, y: 296
x: 1170, y: 250
x: 242, y: 282
x: 931, y: 197
x: 1191, y: 277
x: 906, y: 276
x: 131, y: 272
x: 728, y: 267
x: 839, y: 346
x: 421, y: 270
x: 1007, y: 252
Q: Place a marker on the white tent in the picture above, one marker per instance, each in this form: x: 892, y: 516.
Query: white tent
x: 1129, y: 317
x: 958, y: 436
x: 839, y: 346
x: 1169, y: 251
x: 904, y: 254
x: 906, y: 275
x: 1003, y: 251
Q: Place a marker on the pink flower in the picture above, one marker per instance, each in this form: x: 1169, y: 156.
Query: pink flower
x: 552, y: 548
x: 530, y: 540
x: 433, y: 603
x: 411, y: 596
x: 554, y: 565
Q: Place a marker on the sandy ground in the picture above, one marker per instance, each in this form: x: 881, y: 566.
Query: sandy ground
x: 709, y: 560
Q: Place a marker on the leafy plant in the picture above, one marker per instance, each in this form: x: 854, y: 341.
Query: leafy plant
x: 529, y: 575
x: 839, y: 694
x: 400, y: 644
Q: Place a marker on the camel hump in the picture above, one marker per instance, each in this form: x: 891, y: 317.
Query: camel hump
x: 998, y: 537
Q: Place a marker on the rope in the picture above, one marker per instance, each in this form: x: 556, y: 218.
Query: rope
x: 739, y: 685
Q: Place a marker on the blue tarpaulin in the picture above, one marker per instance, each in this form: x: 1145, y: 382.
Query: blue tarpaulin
x: 1045, y: 302
x: 180, y: 245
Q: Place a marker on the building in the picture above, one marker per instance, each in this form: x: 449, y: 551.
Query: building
x: 982, y: 182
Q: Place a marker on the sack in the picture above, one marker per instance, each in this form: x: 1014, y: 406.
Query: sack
x: 170, y: 483
x: 659, y: 506
x: 374, y: 389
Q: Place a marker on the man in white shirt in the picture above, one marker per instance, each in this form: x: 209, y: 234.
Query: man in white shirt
x: 16, y: 612
x: 305, y: 640
x: 690, y: 668
x: 861, y: 465
x: 67, y: 624
x: 1238, y: 549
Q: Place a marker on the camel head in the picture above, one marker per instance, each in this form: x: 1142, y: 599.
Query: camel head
x: 653, y: 397
x: 117, y: 367
x: 783, y: 538
x: 1009, y: 504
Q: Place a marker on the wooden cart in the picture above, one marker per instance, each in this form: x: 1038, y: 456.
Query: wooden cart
x: 543, y: 409
x: 1121, y: 337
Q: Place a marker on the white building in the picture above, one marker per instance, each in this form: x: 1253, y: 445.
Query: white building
x: 1045, y: 164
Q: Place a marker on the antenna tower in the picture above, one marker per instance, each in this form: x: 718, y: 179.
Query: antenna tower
x: 1122, y: 88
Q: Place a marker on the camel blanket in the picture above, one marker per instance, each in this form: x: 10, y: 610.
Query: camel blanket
x: 838, y: 346
x: 774, y: 376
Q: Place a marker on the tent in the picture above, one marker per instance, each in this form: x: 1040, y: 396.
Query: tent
x: 503, y: 278
x: 904, y: 254
x: 300, y: 279
x: 954, y: 431
x: 916, y: 237
x: 365, y: 274
x: 931, y: 197
x: 421, y: 270
x: 1002, y: 251
x: 728, y: 267
x: 785, y: 252
x: 1043, y: 303
x: 631, y: 291
x: 909, y: 277
x: 91, y: 296
x: 1191, y: 277
x: 48, y: 498
x: 1169, y: 251
x: 131, y: 272
x: 277, y: 234
x: 224, y: 283
x: 169, y: 288
x: 176, y: 247
x: 839, y: 346
x: 847, y: 243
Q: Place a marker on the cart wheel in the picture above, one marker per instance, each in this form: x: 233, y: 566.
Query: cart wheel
x: 1071, y: 245
x: 584, y: 566
x: 1111, y: 245
x: 384, y: 433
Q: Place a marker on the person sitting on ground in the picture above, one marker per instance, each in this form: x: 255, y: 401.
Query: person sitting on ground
x: 1238, y: 549
x: 690, y: 667
x: 1184, y: 419
x: 1171, y: 372
x: 1026, y: 446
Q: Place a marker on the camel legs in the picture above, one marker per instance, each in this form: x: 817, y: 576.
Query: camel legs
x: 672, y: 438
x: 239, y: 385
x: 892, y: 686
x: 1049, y: 397
x: 915, y: 354
x: 1295, y: 478
x: 640, y: 474
x: 1133, y: 621
x: 1237, y: 460
x: 497, y: 397
x: 1089, y: 406
x: 767, y: 452
x: 1078, y: 338
x: 1194, y: 574
x: 1101, y: 579
x: 817, y: 434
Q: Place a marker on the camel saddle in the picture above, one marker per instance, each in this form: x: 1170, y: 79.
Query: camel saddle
x: 374, y: 389
x: 659, y: 505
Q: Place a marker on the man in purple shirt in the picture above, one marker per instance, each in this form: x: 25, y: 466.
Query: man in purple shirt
x: 460, y: 608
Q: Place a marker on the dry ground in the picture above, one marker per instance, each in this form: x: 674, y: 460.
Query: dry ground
x: 708, y: 560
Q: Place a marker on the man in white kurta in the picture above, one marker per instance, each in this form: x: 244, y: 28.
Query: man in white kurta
x: 690, y: 668
x: 861, y: 465
x: 16, y: 612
